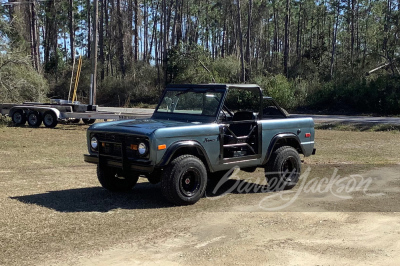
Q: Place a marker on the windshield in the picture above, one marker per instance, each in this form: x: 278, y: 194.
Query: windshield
x: 190, y: 101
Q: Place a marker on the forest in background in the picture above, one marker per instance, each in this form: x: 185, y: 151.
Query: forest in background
x: 320, y: 55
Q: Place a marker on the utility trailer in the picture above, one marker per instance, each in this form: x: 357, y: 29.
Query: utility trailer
x: 60, y: 110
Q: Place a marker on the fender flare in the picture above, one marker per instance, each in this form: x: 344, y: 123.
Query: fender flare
x: 169, y: 154
x: 56, y: 111
x: 275, y: 140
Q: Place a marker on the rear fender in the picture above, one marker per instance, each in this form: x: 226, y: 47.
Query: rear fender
x: 282, y: 139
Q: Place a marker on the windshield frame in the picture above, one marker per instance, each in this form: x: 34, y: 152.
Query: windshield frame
x: 190, y: 116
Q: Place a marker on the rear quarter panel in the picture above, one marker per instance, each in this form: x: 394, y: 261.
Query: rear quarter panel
x: 297, y: 126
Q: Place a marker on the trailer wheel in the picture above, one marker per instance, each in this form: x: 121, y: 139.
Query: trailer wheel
x: 88, y: 121
x: 34, y: 119
x: 50, y: 119
x: 19, y: 118
x: 75, y: 120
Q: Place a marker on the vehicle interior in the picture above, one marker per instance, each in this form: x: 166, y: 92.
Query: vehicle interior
x: 239, y: 118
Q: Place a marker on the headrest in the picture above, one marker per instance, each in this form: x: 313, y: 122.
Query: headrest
x: 243, y: 115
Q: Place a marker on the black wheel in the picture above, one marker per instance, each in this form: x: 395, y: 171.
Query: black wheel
x: 88, y: 121
x: 19, y: 118
x: 283, y: 168
x: 184, y: 181
x: 34, y: 119
x: 50, y: 119
x: 115, y: 179
x: 75, y: 120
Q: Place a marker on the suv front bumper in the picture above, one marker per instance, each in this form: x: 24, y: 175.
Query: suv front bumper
x: 144, y: 167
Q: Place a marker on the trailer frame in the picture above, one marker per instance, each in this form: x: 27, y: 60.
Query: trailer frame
x: 59, y: 110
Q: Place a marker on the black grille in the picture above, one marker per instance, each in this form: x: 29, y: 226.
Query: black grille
x: 105, y: 137
x: 115, y: 144
x: 112, y: 149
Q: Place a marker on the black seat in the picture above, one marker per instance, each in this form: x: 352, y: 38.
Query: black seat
x: 242, y: 129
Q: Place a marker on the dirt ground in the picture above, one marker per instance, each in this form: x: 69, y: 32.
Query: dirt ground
x: 344, y: 211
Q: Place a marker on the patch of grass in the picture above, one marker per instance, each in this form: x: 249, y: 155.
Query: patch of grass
x: 385, y: 127
x: 355, y: 147
x: 53, y: 206
x: 5, y: 121
x: 358, y: 127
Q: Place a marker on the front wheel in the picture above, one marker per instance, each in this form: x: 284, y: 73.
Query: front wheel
x: 115, y: 179
x: 283, y: 168
x: 184, y: 181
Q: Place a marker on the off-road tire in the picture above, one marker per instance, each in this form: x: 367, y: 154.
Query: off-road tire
x: 34, y: 119
x: 112, y: 179
x: 184, y: 180
x: 50, y: 119
x: 19, y: 118
x: 283, y: 168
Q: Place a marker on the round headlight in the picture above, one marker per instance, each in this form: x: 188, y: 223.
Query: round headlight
x: 93, y: 143
x: 142, y: 148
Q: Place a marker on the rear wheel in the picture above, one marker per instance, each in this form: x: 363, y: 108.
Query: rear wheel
x: 184, y: 181
x: 115, y: 179
x: 283, y: 168
x: 34, y: 119
x: 19, y: 118
x: 50, y: 119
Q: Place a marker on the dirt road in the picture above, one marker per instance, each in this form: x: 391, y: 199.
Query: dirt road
x: 344, y: 211
x: 245, y: 234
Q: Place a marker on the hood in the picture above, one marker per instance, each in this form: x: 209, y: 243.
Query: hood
x: 138, y: 126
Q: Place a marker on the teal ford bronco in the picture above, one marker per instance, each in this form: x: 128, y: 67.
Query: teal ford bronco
x: 199, y: 132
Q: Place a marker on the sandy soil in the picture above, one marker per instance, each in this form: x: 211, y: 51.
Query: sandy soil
x: 53, y: 211
x: 316, y: 229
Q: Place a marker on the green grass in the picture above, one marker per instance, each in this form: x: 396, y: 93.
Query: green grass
x: 5, y: 121
x: 358, y: 127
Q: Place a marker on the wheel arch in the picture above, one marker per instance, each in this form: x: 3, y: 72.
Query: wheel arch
x: 185, y: 147
x: 54, y: 110
x: 14, y: 109
x: 283, y: 139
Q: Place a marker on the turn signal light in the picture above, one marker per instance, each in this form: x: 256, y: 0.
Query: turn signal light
x: 162, y: 147
x: 134, y: 147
